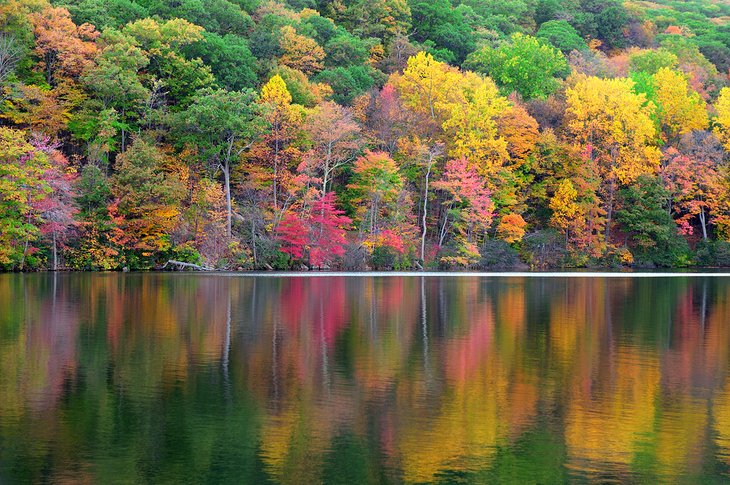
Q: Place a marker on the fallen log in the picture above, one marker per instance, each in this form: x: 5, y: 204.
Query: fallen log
x: 182, y: 266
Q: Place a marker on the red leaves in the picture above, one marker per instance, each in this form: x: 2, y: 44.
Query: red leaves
x: 469, y: 192
x: 327, y: 230
x: 322, y: 232
x: 292, y: 235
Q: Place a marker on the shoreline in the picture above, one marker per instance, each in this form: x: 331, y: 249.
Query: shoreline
x: 410, y: 274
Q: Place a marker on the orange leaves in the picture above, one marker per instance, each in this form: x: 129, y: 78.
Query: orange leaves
x: 511, y: 228
x: 300, y: 52
x: 66, y: 50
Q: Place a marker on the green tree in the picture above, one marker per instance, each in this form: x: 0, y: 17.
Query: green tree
x: 562, y: 35
x: 643, y: 213
x: 21, y: 185
x: 116, y: 79
x: 147, y: 194
x: 221, y: 125
x: 229, y: 58
x: 439, y: 22
x: 526, y: 65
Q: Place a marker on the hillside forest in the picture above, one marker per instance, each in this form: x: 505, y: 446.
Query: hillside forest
x: 364, y: 134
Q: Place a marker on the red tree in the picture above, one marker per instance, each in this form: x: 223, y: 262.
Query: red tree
x: 322, y: 232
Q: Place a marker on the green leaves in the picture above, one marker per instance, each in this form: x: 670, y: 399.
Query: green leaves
x: 526, y: 65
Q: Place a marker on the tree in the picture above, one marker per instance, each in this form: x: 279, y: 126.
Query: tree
x: 387, y: 121
x: 221, y: 125
x: 10, y: 54
x: 374, y: 190
x: 66, y: 50
x: 562, y: 35
x: 614, y: 127
x: 328, y: 229
x: 284, y: 120
x: 115, y: 80
x: 321, y: 233
x: 679, y: 108
x: 207, y: 215
x: 57, y: 210
x: 695, y: 186
x: 300, y: 52
x: 526, y: 65
x: 643, y: 214
x: 511, y: 228
x: 469, y: 208
x: 425, y: 154
x: 45, y: 111
x: 564, y: 206
x: 95, y: 247
x: 650, y: 61
x: 335, y: 138
x: 347, y: 82
x: 162, y: 43
x: 147, y: 195
x: 229, y: 58
x: 462, y: 109
x: 426, y: 85
x: 722, y: 122
x: 471, y: 124
x: 519, y: 130
x: 442, y: 24
x: 22, y: 187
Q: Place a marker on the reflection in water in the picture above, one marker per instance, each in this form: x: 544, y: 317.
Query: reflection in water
x: 170, y: 378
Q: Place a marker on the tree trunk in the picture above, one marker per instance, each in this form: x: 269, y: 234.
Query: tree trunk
x: 609, y: 210
x: 55, y: 252
x: 253, y: 243
x: 424, y: 214
x: 124, y: 135
x: 276, y: 169
x: 704, y: 223
x: 227, y: 177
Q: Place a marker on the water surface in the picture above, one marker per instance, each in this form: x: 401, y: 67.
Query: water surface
x: 175, y: 378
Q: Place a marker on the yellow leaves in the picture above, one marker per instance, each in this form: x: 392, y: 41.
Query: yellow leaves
x: 680, y: 108
x: 520, y: 131
x: 426, y: 85
x: 563, y: 204
x: 300, y: 52
x: 168, y: 35
x: 722, y: 122
x: 45, y: 111
x: 614, y: 125
x: 275, y: 92
x: 472, y: 125
x: 511, y: 228
x: 463, y: 105
x: 276, y: 96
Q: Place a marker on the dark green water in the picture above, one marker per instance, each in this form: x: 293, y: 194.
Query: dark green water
x: 172, y: 378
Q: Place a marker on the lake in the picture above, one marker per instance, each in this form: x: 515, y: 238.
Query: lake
x: 203, y: 378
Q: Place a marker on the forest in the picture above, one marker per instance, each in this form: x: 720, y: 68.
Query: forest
x: 364, y: 134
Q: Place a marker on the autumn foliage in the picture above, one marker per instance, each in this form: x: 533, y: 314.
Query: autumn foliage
x: 268, y: 136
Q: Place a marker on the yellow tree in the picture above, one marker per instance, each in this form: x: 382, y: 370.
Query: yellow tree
x: 462, y: 107
x: 284, y: 118
x: 564, y: 206
x: 722, y: 130
x: 300, y: 52
x: 722, y: 122
x: 680, y: 109
x: 471, y: 125
x: 612, y: 124
x: 427, y: 87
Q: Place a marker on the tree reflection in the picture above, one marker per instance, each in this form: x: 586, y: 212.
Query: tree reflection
x: 169, y: 378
